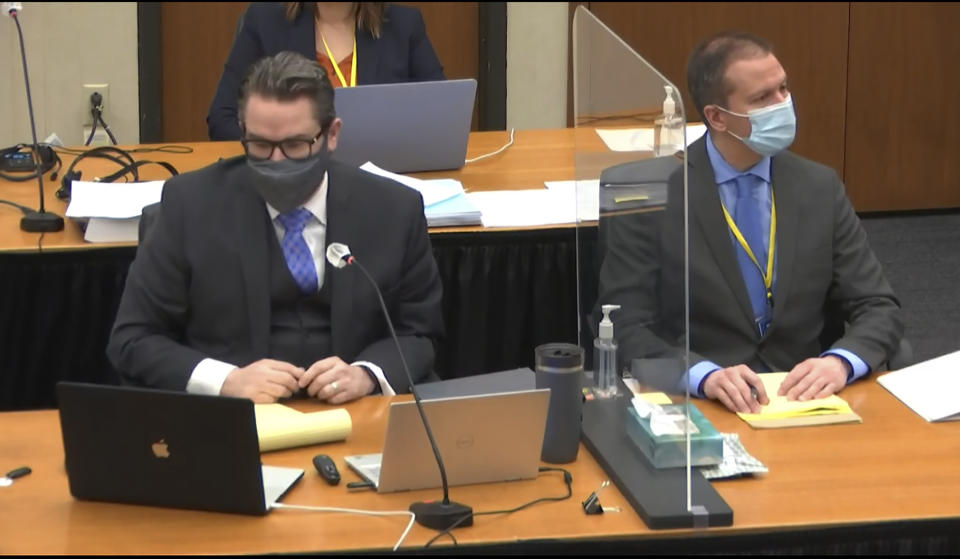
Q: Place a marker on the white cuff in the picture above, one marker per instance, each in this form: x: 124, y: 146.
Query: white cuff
x: 208, y: 377
x: 385, y: 387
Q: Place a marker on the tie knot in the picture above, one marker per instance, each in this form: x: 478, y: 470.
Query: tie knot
x: 295, y: 220
x: 745, y: 185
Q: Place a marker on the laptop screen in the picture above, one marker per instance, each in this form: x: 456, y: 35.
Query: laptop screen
x: 161, y: 448
x: 405, y: 127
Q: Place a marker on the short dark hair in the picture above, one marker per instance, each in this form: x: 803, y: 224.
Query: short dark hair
x: 709, y: 61
x: 287, y: 76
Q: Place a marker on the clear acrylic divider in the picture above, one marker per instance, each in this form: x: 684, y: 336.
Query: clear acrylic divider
x: 631, y: 173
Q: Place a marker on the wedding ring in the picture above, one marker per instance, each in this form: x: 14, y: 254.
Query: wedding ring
x: 333, y: 385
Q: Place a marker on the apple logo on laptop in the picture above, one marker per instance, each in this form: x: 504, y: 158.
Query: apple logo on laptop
x: 160, y: 449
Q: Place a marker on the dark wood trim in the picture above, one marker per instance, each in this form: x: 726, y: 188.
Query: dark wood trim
x: 492, y: 67
x: 150, y: 72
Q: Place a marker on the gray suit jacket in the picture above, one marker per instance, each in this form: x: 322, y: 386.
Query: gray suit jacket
x: 199, y: 285
x: 824, y: 267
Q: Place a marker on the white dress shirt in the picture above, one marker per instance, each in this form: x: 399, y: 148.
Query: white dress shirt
x: 208, y: 376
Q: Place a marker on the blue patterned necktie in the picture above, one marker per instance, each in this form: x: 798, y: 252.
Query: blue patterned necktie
x: 295, y: 249
x: 747, y: 219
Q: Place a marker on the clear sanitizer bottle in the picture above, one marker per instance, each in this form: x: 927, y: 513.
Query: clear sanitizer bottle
x: 668, y: 129
x: 605, y: 357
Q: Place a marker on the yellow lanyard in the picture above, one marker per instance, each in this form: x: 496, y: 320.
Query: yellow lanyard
x: 353, y: 65
x: 768, y: 275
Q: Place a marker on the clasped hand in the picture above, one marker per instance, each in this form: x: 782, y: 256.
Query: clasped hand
x: 267, y: 380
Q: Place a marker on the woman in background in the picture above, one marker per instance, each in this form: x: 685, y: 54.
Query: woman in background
x: 358, y: 43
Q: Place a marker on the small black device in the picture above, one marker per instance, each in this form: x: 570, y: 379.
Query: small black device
x: 327, y: 468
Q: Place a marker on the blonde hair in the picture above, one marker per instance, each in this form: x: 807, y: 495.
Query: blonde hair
x: 370, y: 15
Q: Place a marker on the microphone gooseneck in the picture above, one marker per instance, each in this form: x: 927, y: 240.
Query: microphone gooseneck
x: 40, y: 221
x: 442, y: 515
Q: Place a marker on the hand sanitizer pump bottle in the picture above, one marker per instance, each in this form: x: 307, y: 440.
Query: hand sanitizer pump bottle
x: 605, y: 357
x: 668, y: 129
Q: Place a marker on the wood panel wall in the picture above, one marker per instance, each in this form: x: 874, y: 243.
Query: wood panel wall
x: 196, y: 38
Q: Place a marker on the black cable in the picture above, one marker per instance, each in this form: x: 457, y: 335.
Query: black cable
x: 20, y: 207
x: 170, y: 148
x: 567, y: 478
x: 93, y: 129
x: 106, y: 127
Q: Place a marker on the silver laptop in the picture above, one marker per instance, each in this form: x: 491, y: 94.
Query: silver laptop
x: 168, y: 449
x: 406, y: 127
x: 487, y: 438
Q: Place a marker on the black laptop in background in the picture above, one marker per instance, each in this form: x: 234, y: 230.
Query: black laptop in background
x: 166, y: 449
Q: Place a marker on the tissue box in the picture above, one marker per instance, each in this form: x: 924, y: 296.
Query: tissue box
x: 670, y: 450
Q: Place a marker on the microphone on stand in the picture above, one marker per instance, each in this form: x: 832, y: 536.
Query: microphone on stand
x: 40, y: 221
x: 432, y: 514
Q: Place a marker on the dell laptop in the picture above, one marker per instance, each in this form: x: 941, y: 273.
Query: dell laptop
x: 167, y: 449
x: 485, y: 438
x: 405, y: 127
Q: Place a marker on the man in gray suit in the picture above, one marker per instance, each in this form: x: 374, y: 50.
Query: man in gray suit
x: 776, y: 250
x: 230, y: 293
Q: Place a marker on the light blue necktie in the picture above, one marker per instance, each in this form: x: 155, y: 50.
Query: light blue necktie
x: 295, y: 249
x: 747, y: 218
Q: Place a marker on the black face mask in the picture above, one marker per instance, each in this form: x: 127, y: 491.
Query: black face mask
x: 288, y: 183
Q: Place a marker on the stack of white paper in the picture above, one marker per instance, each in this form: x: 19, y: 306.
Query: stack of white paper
x: 113, y: 209
x: 930, y: 388
x: 641, y: 139
x: 444, y: 202
x: 585, y: 192
x: 525, y: 208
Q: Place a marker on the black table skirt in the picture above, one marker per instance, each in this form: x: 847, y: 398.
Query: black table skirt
x: 504, y: 294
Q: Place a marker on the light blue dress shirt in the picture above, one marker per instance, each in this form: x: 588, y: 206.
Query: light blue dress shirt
x: 725, y: 177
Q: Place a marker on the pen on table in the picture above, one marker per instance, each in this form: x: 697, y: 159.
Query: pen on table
x: 8, y: 478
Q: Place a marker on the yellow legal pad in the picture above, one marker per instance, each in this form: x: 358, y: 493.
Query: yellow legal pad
x: 279, y: 426
x: 781, y: 412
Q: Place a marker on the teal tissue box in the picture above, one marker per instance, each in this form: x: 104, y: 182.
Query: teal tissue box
x: 670, y: 451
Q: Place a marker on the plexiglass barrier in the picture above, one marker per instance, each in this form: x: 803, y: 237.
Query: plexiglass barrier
x: 630, y: 159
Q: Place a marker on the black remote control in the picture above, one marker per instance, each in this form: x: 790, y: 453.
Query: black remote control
x: 325, y: 466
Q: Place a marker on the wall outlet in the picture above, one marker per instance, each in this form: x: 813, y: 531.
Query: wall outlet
x: 100, y: 137
x: 88, y: 90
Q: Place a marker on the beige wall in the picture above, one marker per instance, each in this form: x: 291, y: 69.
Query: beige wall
x: 69, y: 44
x: 537, y: 46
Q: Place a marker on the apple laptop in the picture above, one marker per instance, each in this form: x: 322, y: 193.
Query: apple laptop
x: 405, y: 127
x: 167, y: 449
x: 485, y: 438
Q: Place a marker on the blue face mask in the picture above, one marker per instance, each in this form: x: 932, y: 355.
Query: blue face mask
x: 772, y: 128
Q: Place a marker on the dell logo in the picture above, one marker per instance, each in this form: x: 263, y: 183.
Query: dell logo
x: 464, y: 441
x: 160, y: 449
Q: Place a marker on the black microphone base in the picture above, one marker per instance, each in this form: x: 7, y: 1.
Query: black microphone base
x: 41, y: 222
x: 438, y: 516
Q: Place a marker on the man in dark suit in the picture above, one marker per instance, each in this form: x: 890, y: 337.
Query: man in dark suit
x: 774, y: 247
x: 391, y: 46
x: 231, y: 294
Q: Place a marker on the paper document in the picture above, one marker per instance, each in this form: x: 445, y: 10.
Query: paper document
x: 930, y: 388
x: 524, y: 208
x: 279, y: 426
x: 433, y: 191
x: 585, y: 192
x: 781, y: 412
x: 118, y: 200
x: 641, y: 139
x: 109, y: 230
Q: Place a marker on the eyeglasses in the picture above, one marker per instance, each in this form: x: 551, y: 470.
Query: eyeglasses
x: 293, y: 148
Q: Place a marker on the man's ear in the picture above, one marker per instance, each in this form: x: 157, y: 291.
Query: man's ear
x: 716, y: 118
x: 333, y: 133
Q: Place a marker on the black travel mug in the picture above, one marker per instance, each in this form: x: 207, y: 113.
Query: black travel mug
x: 559, y: 367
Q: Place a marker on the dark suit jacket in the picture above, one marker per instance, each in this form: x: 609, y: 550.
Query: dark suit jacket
x: 823, y: 263
x: 402, y: 53
x: 199, y: 284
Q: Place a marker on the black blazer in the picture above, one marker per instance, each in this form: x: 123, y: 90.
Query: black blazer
x: 403, y: 53
x: 199, y: 285
x: 823, y: 262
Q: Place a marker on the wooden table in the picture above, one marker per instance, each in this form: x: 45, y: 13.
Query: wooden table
x: 535, y: 157
x: 891, y: 471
